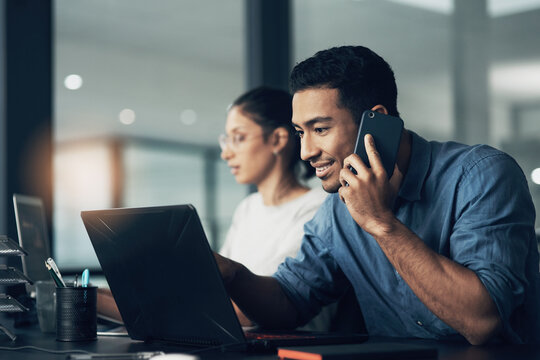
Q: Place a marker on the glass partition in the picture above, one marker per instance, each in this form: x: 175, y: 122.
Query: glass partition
x: 418, y: 39
x: 141, y: 91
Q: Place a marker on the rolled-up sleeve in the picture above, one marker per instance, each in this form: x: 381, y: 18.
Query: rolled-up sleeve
x: 494, y: 232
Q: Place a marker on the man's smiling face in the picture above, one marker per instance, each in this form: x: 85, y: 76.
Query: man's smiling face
x: 327, y: 131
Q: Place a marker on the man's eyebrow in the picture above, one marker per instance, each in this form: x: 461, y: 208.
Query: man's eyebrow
x: 310, y: 123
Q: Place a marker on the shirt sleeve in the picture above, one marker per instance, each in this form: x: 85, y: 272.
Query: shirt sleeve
x: 312, y: 279
x: 494, y: 231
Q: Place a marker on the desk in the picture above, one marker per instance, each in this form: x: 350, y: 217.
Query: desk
x: 447, y: 350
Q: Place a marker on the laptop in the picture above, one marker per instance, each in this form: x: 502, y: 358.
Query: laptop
x: 167, y: 285
x: 33, y: 237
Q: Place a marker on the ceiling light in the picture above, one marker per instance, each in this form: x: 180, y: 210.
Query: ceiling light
x: 188, y: 117
x: 515, y: 80
x: 73, y: 82
x: 445, y: 7
x: 535, y: 176
x: 127, y: 116
x: 498, y: 8
x: 494, y: 8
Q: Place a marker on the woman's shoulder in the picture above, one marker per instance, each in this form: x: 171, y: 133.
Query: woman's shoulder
x: 308, y: 203
x: 311, y: 197
x: 316, y: 196
x: 247, y: 204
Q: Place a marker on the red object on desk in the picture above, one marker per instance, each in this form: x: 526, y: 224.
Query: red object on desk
x: 298, y: 354
x: 358, y: 352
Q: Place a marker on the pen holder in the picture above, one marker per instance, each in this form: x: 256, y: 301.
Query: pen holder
x: 76, y: 316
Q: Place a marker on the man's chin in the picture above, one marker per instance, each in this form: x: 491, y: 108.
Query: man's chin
x: 331, y: 187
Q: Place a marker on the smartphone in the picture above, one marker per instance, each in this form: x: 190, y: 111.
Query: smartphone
x: 386, y: 131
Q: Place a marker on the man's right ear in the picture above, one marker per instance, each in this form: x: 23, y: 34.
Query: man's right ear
x: 380, y: 109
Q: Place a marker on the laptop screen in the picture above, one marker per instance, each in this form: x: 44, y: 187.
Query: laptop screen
x: 33, y: 236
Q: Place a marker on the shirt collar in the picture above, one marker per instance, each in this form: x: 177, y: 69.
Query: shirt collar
x: 418, y: 167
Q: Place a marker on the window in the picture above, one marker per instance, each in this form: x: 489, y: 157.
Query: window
x: 82, y: 182
x: 418, y: 39
x: 141, y: 92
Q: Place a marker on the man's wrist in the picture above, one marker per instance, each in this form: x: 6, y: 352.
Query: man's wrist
x: 385, y: 227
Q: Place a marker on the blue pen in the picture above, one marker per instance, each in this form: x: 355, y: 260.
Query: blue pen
x: 85, y: 278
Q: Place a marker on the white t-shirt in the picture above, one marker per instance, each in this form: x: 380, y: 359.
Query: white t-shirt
x: 261, y: 236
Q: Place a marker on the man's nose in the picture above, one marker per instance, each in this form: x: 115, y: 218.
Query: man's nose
x: 308, y: 149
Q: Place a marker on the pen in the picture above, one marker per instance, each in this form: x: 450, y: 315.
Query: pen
x: 85, y: 278
x: 126, y: 356
x: 55, y: 273
x: 55, y: 277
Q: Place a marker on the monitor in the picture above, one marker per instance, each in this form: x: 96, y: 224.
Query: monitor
x: 33, y: 237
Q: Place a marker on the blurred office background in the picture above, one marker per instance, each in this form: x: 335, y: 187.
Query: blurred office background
x: 141, y: 88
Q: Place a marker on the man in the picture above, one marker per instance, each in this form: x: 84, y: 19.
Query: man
x: 444, y: 248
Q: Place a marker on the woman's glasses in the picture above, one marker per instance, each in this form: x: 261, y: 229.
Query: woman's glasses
x: 235, y: 141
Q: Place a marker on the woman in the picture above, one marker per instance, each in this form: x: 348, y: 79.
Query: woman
x: 261, y: 149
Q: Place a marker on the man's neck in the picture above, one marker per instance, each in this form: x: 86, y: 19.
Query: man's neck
x: 404, y: 152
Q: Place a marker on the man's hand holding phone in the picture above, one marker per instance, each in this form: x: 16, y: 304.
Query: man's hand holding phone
x: 370, y: 195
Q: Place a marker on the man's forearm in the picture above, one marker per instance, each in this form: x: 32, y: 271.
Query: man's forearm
x: 262, y: 300
x: 452, y: 292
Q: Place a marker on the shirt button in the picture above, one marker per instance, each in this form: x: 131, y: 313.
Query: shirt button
x: 419, y: 323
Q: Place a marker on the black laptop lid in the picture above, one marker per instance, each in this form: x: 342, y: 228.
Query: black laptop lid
x: 161, y: 273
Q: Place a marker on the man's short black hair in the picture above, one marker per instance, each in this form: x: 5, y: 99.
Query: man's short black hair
x: 363, y: 78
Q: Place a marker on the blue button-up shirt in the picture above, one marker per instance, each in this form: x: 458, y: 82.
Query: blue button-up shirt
x: 468, y: 203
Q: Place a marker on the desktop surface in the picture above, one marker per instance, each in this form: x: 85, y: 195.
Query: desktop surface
x: 31, y: 336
